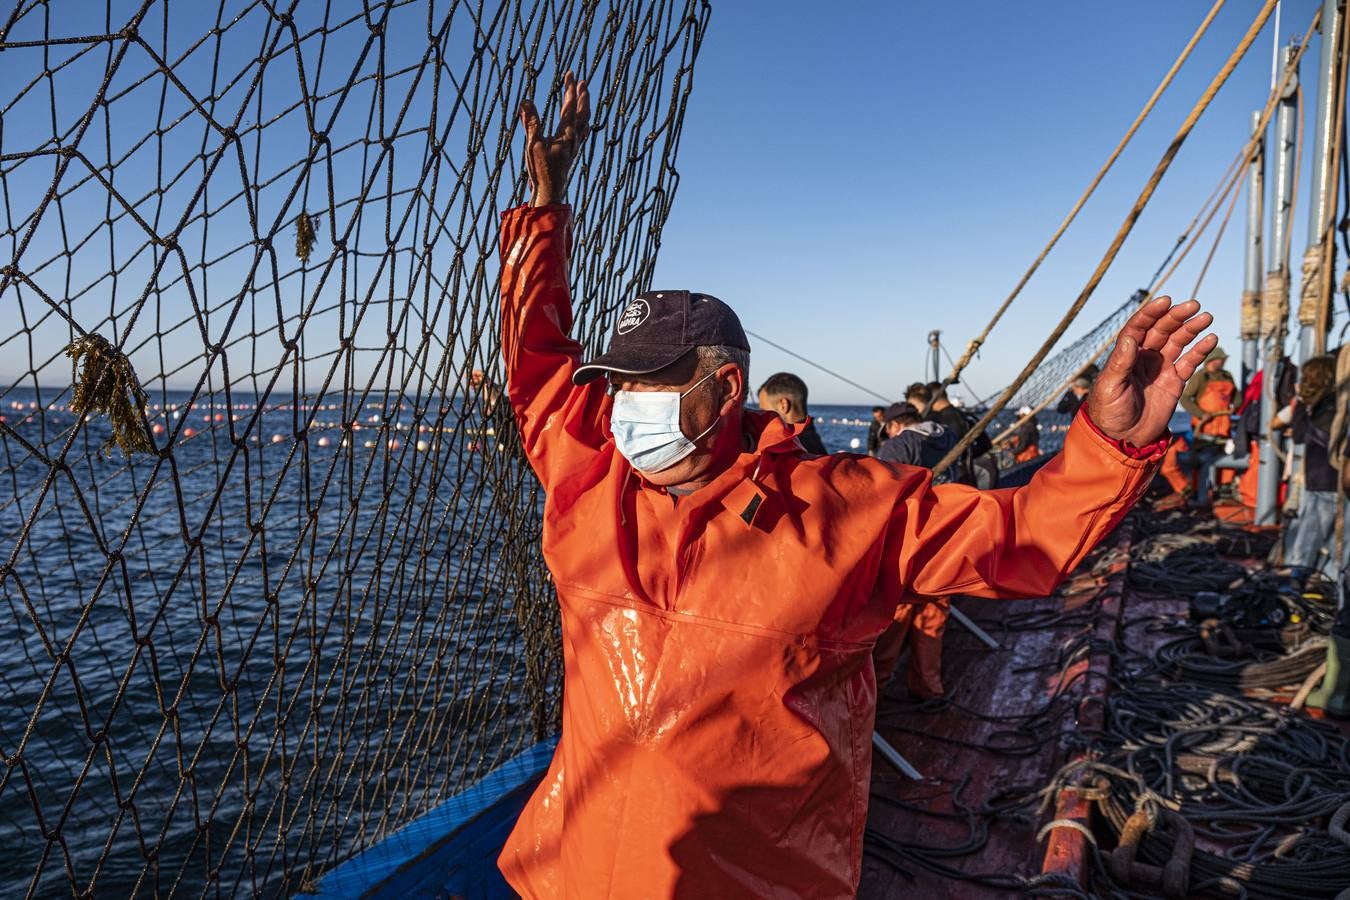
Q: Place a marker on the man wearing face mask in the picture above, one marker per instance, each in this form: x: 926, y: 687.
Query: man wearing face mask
x: 721, y: 590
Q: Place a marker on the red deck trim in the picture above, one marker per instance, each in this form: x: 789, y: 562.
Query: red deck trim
x: 1066, y: 848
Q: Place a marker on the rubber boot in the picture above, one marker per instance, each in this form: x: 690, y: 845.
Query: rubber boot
x: 1333, y: 696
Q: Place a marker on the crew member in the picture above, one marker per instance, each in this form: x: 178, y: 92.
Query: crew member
x: 1026, y: 440
x: 912, y: 440
x: 941, y: 410
x: 1077, y: 393
x: 1210, y: 397
x: 1311, y: 422
x: 875, y: 431
x: 919, y: 622
x: 721, y: 589
x: 785, y: 394
x: 919, y: 396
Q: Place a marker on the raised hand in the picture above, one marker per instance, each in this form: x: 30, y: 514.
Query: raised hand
x: 548, y: 160
x: 1137, y: 391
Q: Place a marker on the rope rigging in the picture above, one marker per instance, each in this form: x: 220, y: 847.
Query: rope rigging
x: 975, y: 344
x: 1146, y: 193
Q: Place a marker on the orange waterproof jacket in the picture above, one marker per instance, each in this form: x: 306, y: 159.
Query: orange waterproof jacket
x: 719, y: 694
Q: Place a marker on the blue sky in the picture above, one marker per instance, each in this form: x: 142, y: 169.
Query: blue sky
x: 854, y: 175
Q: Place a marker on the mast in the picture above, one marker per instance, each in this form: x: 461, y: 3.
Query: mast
x: 1275, y: 301
x: 1251, y: 272
x: 1320, y: 204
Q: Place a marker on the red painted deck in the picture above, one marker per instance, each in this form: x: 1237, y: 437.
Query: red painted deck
x: 951, y: 746
x: 956, y: 747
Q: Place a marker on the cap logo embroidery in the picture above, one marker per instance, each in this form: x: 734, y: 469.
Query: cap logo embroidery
x: 633, y: 315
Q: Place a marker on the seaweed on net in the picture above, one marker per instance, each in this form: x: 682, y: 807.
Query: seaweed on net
x: 108, y: 386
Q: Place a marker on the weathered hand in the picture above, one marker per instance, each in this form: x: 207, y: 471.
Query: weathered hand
x: 1136, y: 393
x: 548, y: 160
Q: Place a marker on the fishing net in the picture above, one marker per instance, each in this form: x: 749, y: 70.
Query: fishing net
x: 1052, y: 377
x: 308, y: 605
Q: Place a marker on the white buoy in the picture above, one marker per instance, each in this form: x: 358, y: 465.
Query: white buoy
x: 324, y: 442
x: 855, y: 443
x: 422, y: 446
x: 369, y: 445
x: 277, y: 439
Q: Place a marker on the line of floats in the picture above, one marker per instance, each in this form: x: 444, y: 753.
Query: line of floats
x: 162, y: 415
x: 21, y: 413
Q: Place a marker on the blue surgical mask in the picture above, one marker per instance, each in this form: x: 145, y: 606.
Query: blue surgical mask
x: 646, y: 427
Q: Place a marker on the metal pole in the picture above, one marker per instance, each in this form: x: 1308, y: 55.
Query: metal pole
x: 974, y: 629
x: 1286, y: 167
x: 1251, y: 271
x: 1319, y: 204
x: 935, y: 347
x: 893, y: 757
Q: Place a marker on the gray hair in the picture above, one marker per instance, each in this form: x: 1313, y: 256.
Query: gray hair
x: 713, y: 356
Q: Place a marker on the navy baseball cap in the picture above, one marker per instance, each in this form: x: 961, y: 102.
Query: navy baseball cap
x: 896, y: 410
x: 658, y: 328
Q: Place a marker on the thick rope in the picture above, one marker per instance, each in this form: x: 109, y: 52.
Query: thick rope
x: 1327, y: 244
x: 1250, y: 328
x: 974, y: 346
x: 1273, y: 305
x: 1310, y: 286
x: 1230, y: 185
x: 1128, y: 225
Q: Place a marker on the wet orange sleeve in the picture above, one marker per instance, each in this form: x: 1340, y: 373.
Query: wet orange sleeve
x: 561, y: 425
x: 1014, y: 542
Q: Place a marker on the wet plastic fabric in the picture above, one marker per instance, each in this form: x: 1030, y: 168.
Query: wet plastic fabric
x: 920, y: 624
x: 1216, y: 397
x: 1171, y: 467
x: 719, y: 694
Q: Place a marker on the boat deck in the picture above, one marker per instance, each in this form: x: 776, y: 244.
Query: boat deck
x: 998, y: 731
x: 997, y: 738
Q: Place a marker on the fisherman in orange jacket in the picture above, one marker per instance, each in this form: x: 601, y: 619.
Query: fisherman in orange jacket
x: 1209, y: 396
x: 721, y: 590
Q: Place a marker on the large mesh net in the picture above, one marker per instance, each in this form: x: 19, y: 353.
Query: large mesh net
x: 1053, y: 375
x: 316, y: 606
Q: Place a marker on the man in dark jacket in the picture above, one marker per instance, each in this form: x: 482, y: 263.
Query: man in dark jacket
x: 976, y: 466
x: 876, y: 432
x: 785, y: 394
x: 941, y: 410
x: 911, y: 440
x: 1074, y: 396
